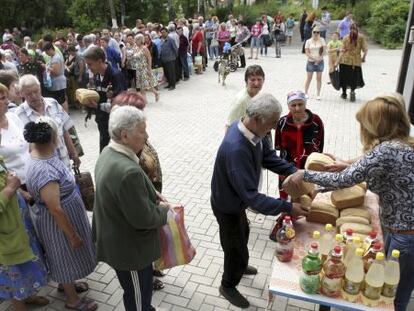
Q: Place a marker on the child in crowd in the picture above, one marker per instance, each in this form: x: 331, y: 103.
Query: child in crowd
x: 334, y: 47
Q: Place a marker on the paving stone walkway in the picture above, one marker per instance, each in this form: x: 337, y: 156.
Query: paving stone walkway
x: 186, y: 127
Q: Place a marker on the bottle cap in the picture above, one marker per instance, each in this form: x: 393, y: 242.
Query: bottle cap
x: 314, y: 246
x: 316, y: 234
x: 339, y: 238
x: 379, y: 256
x: 395, y: 253
x: 328, y: 227
x: 356, y: 240
x: 359, y: 252
x: 337, y: 250
x: 373, y: 234
x: 377, y: 246
x: 349, y: 231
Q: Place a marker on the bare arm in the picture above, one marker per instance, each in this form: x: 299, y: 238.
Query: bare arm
x: 71, y: 149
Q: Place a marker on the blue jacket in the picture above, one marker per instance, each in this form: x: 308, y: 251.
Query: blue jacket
x: 169, y: 50
x: 236, y: 175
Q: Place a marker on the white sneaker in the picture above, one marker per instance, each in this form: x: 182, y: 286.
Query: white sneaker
x: 306, y: 96
x: 318, y: 98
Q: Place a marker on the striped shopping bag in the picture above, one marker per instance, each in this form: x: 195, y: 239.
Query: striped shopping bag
x: 176, y: 248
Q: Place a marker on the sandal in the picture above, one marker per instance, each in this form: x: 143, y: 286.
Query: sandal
x: 35, y: 300
x: 80, y: 287
x: 83, y: 305
x: 157, y: 284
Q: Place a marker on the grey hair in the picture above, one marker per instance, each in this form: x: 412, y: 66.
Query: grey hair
x: 196, y: 26
x: 264, y: 105
x: 140, y: 37
x: 88, y: 39
x: 27, y: 81
x: 171, y: 27
x: 124, y: 118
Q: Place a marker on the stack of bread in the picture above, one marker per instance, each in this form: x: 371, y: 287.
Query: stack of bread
x: 85, y: 96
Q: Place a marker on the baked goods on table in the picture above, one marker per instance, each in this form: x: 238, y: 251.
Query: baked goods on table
x: 348, y: 197
x: 85, y: 96
x: 322, y: 212
x: 304, y: 188
x: 316, y: 161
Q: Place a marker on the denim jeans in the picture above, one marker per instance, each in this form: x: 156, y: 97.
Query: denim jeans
x: 405, y: 244
x: 214, y: 51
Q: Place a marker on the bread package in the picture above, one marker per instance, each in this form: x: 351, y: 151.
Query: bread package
x: 84, y: 96
x: 304, y: 188
x: 316, y: 161
x: 357, y: 211
x: 352, y: 219
x: 357, y: 228
x: 322, y: 212
x: 348, y: 197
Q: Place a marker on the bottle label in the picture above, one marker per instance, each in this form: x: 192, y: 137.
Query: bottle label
x: 331, y: 287
x: 351, y: 288
x: 290, y: 233
x: 389, y: 290
x: 372, y: 292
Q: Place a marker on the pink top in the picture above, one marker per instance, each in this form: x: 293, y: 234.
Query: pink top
x: 256, y: 30
x: 223, y: 35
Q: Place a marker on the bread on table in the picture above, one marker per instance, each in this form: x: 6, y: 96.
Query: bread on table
x: 356, y: 211
x: 352, y: 219
x: 357, y: 228
x: 348, y: 197
x: 85, y: 96
x: 305, y: 202
x: 363, y: 185
x: 316, y: 161
x: 322, y: 212
x: 304, y: 188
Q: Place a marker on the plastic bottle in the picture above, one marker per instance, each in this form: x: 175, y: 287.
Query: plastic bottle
x: 369, y: 256
x: 316, y: 235
x: 339, y: 239
x: 354, y: 276
x: 327, y: 242
x: 374, y: 280
x: 370, y: 240
x: 334, y: 271
x: 311, y: 266
x: 284, y: 237
x: 348, y: 236
x: 356, y: 243
x: 392, y: 275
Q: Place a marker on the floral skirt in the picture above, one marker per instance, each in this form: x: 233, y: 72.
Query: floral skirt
x: 21, y: 281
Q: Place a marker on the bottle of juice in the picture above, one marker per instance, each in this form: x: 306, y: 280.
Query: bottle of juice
x: 284, y: 237
x: 327, y: 242
x: 370, y: 255
x: 334, y: 271
x: 356, y: 243
x: 354, y: 276
x: 374, y: 280
x: 339, y: 240
x: 370, y: 240
x: 311, y: 266
x: 348, y: 236
x: 391, y: 276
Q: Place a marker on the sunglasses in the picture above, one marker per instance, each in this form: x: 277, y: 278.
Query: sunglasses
x: 316, y: 32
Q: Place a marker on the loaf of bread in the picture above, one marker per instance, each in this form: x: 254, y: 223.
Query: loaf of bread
x: 304, y: 188
x: 322, y: 212
x: 316, y: 161
x: 85, y: 96
x: 348, y: 197
x: 352, y: 219
x: 363, y: 185
x: 357, y: 228
x: 357, y: 211
x: 306, y: 202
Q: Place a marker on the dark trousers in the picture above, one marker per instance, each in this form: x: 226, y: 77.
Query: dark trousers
x: 102, y: 119
x: 184, y: 71
x: 137, y: 286
x: 234, y: 235
x: 169, y: 72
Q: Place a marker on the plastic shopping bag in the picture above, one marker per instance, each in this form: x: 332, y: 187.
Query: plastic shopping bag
x: 176, y: 248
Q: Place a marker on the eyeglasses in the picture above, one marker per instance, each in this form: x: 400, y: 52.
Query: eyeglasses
x: 316, y: 32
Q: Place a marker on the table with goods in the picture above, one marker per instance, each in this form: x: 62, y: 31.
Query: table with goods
x: 334, y: 256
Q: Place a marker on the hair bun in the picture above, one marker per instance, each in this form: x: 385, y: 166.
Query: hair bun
x: 38, y: 133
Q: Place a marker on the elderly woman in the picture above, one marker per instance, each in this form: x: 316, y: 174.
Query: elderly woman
x: 35, y: 106
x: 128, y: 211
x: 22, y: 270
x: 145, y: 80
x: 298, y: 133
x: 223, y: 36
x: 350, y: 62
x: 387, y: 168
x: 128, y: 62
x: 11, y: 80
x: 59, y: 214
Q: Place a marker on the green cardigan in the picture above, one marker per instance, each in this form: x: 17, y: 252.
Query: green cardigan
x: 126, y: 217
x: 14, y: 241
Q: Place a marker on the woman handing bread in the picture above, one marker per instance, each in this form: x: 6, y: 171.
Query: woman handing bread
x: 387, y: 167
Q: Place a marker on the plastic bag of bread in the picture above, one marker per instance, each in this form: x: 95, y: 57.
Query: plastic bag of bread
x: 348, y: 197
x: 85, y: 96
x: 358, y: 228
x: 352, y: 219
x: 304, y: 188
x: 316, y: 161
x: 322, y: 212
x: 357, y: 211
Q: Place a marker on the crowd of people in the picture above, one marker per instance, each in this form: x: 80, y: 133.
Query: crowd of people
x: 46, y: 234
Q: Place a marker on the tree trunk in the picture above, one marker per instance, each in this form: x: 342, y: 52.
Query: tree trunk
x: 113, y: 14
x: 123, y: 12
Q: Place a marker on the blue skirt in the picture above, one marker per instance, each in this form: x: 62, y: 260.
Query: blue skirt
x: 21, y: 281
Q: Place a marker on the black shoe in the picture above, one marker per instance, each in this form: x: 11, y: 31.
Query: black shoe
x: 158, y: 273
x: 344, y: 96
x: 352, y: 96
x: 157, y: 285
x: 166, y: 87
x: 234, y: 297
x: 250, y: 270
x: 171, y: 88
x: 186, y: 78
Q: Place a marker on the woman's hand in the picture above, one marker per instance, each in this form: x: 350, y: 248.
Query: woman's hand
x: 338, y: 165
x: 12, y: 182
x: 75, y: 241
x: 160, y: 198
x: 26, y: 195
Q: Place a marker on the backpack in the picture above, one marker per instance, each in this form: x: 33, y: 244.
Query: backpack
x: 290, y: 23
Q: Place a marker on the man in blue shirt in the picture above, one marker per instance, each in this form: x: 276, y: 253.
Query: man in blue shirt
x: 345, y: 25
x: 234, y: 187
